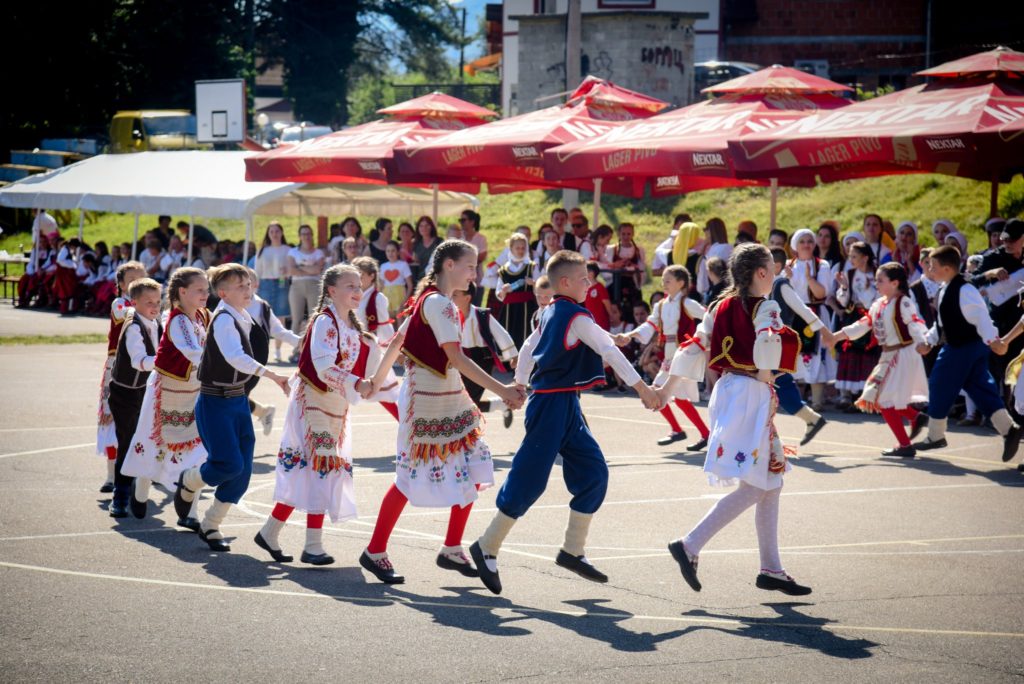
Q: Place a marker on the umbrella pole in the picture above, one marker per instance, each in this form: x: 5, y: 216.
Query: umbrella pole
x: 248, y: 236
x: 191, y: 236
x: 993, y: 202
x: 597, y: 201
x: 775, y: 199
x: 135, y: 238
x: 434, y: 188
x: 81, y: 223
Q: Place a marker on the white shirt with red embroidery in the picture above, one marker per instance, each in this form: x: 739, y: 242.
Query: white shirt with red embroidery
x: 326, y: 342
x: 880, y: 320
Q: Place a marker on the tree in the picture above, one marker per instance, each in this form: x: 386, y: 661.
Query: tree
x: 327, y: 46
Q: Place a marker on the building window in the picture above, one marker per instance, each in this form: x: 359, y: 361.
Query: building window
x: 626, y: 4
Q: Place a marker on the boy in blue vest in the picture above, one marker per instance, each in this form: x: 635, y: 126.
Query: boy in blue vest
x: 964, y: 323
x: 563, y: 356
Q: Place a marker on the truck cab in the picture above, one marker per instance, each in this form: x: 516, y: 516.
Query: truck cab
x: 149, y: 130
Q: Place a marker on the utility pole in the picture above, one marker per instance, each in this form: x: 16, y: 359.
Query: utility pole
x: 462, y: 49
x: 573, y: 57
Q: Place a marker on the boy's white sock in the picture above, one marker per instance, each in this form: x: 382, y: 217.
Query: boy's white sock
x: 215, y: 515
x: 936, y: 429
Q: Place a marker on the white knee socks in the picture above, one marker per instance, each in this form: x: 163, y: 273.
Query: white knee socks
x: 142, y: 488
x: 936, y: 429
x: 193, y: 512
x: 494, y: 536
x: 111, y: 466
x: 576, y: 532
x: 766, y: 520
x: 259, y: 410
x: 271, y: 532
x: 314, y: 540
x: 721, y: 514
x: 1002, y: 421
x: 192, y: 480
x: 215, y: 515
x: 808, y: 415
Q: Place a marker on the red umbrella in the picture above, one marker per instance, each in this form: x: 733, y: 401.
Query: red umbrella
x: 510, y: 151
x: 686, y: 149
x: 967, y: 122
x: 361, y: 153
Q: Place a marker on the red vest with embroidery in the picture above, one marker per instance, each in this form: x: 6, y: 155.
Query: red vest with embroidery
x: 371, y: 312
x: 685, y: 328
x: 733, y: 336
x: 902, y: 331
x: 307, y: 371
x: 169, y: 359
x: 114, y: 334
x: 420, y: 344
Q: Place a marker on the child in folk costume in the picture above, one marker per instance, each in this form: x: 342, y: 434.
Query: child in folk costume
x: 516, y: 291
x: 964, y: 322
x: 565, y: 355
x: 268, y: 327
x: 373, y: 315
x: 674, y: 320
x: 222, y: 412
x: 133, y: 362
x: 486, y: 343
x: 106, y: 434
x: 1013, y: 371
x: 747, y: 343
x: 544, y: 294
x: 442, y: 459
x: 314, y: 471
x: 791, y: 307
x: 598, y: 303
x: 812, y: 280
x: 898, y: 380
x: 856, y: 293
x: 166, y: 439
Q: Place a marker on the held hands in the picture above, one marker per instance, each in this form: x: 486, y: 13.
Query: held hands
x: 923, y: 349
x: 279, y: 380
x: 621, y: 340
x: 514, y: 396
x: 364, y: 388
x: 828, y: 339
x: 650, y: 398
x: 999, y: 347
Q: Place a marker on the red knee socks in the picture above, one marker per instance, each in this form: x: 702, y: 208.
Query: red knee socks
x: 908, y: 414
x: 111, y: 453
x: 670, y: 417
x: 391, y: 408
x: 894, y: 420
x: 282, y: 511
x: 691, y: 414
x: 457, y: 524
x: 390, y: 509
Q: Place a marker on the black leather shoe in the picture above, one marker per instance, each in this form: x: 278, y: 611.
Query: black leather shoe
x: 702, y: 445
x: 490, y: 579
x: 812, y: 430
x: 580, y: 566
x: 277, y: 554
x: 927, y: 444
x: 107, y: 488
x: 381, y: 569
x: 138, y: 508
x: 189, y: 523
x: 1011, y: 442
x: 182, y: 507
x: 920, y: 423
x: 786, y: 586
x: 465, y: 569
x: 685, y: 566
x: 118, y: 509
x: 672, y: 438
x: 214, y: 544
x: 316, y: 558
x: 901, y: 452
x: 506, y: 417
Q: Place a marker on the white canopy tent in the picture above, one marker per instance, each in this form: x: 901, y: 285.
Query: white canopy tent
x: 209, y: 184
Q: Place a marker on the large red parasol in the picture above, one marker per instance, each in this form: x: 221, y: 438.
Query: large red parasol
x: 360, y: 154
x: 968, y: 121
x: 687, y: 149
x: 510, y: 151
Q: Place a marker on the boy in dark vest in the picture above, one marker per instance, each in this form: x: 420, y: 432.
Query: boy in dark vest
x: 567, y: 354
x: 793, y: 307
x: 222, y: 411
x: 963, y: 323
x: 133, y: 362
x: 485, y: 341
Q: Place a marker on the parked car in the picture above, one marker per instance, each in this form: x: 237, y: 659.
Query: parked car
x: 303, y: 131
x: 707, y: 74
x: 153, y: 129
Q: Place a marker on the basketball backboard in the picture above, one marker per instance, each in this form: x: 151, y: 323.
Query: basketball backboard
x: 220, y: 111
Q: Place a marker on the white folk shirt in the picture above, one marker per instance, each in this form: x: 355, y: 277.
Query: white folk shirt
x: 975, y: 312
x: 863, y: 290
x: 189, y: 336
x: 880, y: 320
x: 277, y: 330
x: 325, y: 342
x: 690, y: 360
x: 136, y: 347
x: 665, y: 317
x: 582, y: 329
x: 230, y: 344
x: 385, y: 331
x: 793, y: 301
x: 471, y: 337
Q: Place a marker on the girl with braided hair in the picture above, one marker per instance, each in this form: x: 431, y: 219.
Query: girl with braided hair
x: 314, y: 462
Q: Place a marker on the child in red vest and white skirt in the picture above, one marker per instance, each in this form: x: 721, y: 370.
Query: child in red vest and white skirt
x: 747, y: 343
x: 374, y: 317
x: 106, y: 435
x: 166, y: 439
x: 442, y: 459
x: 314, y: 462
x: 898, y: 380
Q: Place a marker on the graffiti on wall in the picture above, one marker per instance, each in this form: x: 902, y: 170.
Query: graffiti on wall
x: 666, y: 56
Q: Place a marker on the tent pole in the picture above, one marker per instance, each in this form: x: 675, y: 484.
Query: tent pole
x: 993, y: 202
x: 248, y: 236
x: 191, y: 236
x: 135, y: 238
x: 775, y: 198
x: 597, y: 201
x: 81, y: 223
x: 433, y: 187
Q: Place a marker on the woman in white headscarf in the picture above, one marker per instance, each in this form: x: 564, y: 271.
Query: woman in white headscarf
x: 959, y: 241
x: 908, y: 251
x: 941, y: 228
x: 813, y: 281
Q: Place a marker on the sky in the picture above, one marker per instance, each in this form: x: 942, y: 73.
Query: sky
x: 475, y: 10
